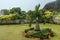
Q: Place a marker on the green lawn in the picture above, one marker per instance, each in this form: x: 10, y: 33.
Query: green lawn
x: 15, y: 32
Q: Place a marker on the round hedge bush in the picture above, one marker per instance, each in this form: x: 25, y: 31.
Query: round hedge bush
x: 44, y: 33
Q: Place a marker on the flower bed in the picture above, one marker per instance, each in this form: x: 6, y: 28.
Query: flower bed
x: 42, y: 34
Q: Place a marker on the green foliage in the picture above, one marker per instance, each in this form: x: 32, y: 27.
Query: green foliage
x: 15, y: 10
x: 30, y: 16
x: 57, y: 17
x: 9, y: 17
x: 41, y: 34
x: 26, y: 30
x: 48, y: 14
x: 34, y: 15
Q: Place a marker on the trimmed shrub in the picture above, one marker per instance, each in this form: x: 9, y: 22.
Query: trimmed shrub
x: 45, y: 33
x: 5, y: 19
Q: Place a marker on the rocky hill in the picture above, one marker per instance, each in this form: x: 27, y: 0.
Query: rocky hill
x: 55, y: 5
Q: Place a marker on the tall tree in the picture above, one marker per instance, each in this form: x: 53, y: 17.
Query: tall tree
x: 16, y: 10
x: 30, y: 17
x: 37, y: 14
x: 23, y: 13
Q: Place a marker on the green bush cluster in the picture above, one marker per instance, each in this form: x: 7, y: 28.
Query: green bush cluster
x: 40, y: 34
x: 9, y: 17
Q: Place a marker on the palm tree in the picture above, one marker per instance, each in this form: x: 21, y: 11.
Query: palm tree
x: 35, y: 15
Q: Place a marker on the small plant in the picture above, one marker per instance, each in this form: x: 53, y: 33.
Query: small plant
x: 31, y: 28
x: 26, y: 30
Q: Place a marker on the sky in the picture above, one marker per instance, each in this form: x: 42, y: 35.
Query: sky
x: 23, y: 4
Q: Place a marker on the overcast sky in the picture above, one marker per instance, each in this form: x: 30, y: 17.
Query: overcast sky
x: 23, y: 4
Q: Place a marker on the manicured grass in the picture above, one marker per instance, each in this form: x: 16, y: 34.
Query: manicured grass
x: 15, y: 32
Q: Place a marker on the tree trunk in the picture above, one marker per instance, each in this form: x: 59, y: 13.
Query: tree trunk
x: 37, y: 26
